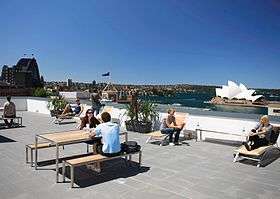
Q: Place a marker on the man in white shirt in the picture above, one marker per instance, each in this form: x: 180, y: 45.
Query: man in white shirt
x: 9, y: 111
x: 110, y: 135
x: 109, y: 132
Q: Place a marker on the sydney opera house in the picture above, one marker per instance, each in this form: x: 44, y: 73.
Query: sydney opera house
x: 237, y: 94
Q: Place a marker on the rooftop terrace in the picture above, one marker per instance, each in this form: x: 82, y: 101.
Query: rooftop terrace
x: 192, y: 170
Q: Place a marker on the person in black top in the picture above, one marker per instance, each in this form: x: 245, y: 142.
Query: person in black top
x: 89, y: 119
x: 92, y: 123
x: 260, y: 135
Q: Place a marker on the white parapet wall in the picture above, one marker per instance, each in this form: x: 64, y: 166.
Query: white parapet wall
x: 37, y: 105
x: 20, y: 102
x: 74, y: 95
x: 233, y: 129
x: 32, y: 104
x: 237, y: 126
x: 220, y: 128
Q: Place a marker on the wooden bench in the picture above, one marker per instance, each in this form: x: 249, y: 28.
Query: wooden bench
x: 158, y: 136
x: 17, y: 119
x: 32, y: 148
x: 97, y: 158
x: 199, y: 132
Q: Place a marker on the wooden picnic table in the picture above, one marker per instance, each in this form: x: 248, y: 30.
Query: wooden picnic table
x: 65, y: 138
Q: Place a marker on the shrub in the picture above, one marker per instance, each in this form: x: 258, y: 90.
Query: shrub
x: 40, y: 92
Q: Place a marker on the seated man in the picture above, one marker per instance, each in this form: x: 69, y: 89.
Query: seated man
x: 169, y: 126
x: 110, y: 136
x: 72, y: 111
x: 9, y: 111
x: 260, y: 135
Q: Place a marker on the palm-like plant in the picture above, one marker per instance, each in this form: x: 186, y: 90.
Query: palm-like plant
x: 148, y: 111
x: 57, y: 104
x: 131, y: 111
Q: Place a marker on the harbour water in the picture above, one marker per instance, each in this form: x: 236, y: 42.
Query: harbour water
x: 198, y: 104
x: 201, y: 101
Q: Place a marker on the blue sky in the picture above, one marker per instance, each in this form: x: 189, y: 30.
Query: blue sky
x: 147, y: 41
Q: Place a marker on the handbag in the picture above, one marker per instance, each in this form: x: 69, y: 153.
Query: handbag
x: 130, y: 147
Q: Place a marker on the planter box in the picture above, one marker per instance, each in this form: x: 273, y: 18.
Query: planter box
x: 55, y: 112
x: 138, y: 126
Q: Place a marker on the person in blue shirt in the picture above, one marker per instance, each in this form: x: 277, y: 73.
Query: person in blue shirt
x: 110, y: 136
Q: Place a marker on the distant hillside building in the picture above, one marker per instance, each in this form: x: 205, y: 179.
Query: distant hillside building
x: 24, y: 74
x: 69, y: 82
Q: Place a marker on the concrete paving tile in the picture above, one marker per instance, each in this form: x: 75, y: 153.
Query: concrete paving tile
x: 200, y: 170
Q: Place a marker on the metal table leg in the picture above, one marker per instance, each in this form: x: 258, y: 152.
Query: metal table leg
x: 126, y: 136
x: 56, y: 162
x: 140, y: 158
x: 36, y: 152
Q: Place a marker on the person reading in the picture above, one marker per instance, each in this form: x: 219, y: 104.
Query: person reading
x: 260, y: 135
x: 169, y: 126
x: 72, y: 110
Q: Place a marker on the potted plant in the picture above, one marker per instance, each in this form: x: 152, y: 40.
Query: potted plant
x: 131, y: 113
x: 56, y: 105
x: 141, y: 114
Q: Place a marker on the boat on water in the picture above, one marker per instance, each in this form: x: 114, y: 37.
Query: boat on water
x: 176, y: 104
x: 274, y: 96
x: 106, y: 100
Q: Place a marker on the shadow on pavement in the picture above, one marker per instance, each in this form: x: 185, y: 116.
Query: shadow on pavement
x: 4, y: 139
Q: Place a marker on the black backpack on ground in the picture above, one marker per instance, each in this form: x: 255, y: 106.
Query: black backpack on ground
x: 130, y: 147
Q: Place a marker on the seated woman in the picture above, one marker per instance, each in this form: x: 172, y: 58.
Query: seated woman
x: 260, y: 135
x: 169, y: 126
x: 72, y: 111
x: 89, y: 119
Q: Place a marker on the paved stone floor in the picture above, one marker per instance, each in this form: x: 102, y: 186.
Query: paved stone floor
x: 192, y: 170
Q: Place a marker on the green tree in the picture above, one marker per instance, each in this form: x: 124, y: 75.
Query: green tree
x: 40, y: 92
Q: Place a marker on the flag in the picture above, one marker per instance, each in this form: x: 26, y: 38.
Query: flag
x: 106, y: 74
